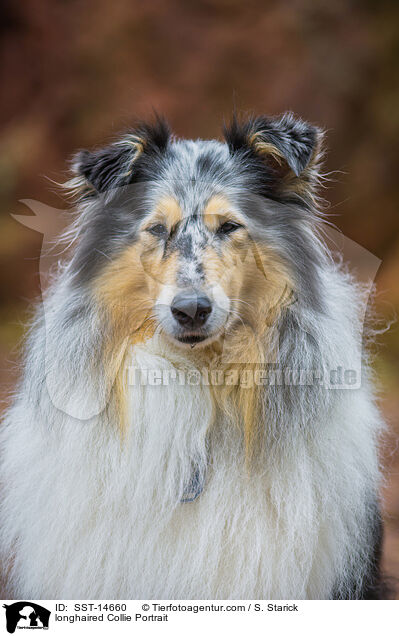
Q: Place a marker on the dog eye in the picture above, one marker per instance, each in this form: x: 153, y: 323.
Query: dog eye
x: 158, y: 230
x: 228, y: 227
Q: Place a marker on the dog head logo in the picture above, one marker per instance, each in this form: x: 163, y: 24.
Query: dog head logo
x: 26, y: 615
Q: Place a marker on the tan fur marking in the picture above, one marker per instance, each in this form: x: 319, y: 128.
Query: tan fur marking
x: 138, y: 145
x: 129, y: 285
x: 126, y: 292
x: 218, y: 210
x: 259, y: 286
x: 265, y: 148
x: 167, y: 211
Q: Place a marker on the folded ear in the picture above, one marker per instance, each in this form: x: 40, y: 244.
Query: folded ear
x: 287, y: 149
x: 114, y: 166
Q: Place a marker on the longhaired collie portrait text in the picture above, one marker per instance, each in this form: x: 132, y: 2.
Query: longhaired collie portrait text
x: 176, y: 432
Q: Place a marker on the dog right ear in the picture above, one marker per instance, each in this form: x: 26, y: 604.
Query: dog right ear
x: 288, y: 150
x: 114, y: 166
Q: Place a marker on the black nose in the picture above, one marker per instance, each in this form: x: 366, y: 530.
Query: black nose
x: 190, y: 310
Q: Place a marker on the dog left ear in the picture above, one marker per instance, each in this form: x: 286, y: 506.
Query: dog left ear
x: 288, y: 148
x: 116, y: 165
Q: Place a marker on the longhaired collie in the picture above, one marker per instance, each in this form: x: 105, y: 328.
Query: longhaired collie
x: 178, y: 431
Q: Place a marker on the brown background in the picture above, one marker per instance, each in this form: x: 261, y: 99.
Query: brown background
x: 75, y: 72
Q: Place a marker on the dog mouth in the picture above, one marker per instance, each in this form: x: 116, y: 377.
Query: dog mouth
x: 197, y: 339
x: 192, y: 339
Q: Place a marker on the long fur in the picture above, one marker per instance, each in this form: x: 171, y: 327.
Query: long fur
x: 89, y: 511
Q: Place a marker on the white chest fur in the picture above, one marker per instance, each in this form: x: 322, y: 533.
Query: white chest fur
x: 103, y: 518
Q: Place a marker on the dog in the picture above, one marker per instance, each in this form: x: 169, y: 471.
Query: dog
x: 159, y: 445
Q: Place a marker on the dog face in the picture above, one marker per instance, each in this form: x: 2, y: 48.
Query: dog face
x: 200, y: 253
x: 195, y: 239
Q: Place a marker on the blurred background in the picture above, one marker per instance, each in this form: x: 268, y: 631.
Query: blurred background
x: 75, y: 72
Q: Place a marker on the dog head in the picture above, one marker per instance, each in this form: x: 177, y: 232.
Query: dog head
x: 198, y: 238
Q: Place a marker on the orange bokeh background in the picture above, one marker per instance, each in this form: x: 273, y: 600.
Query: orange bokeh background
x: 75, y: 73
